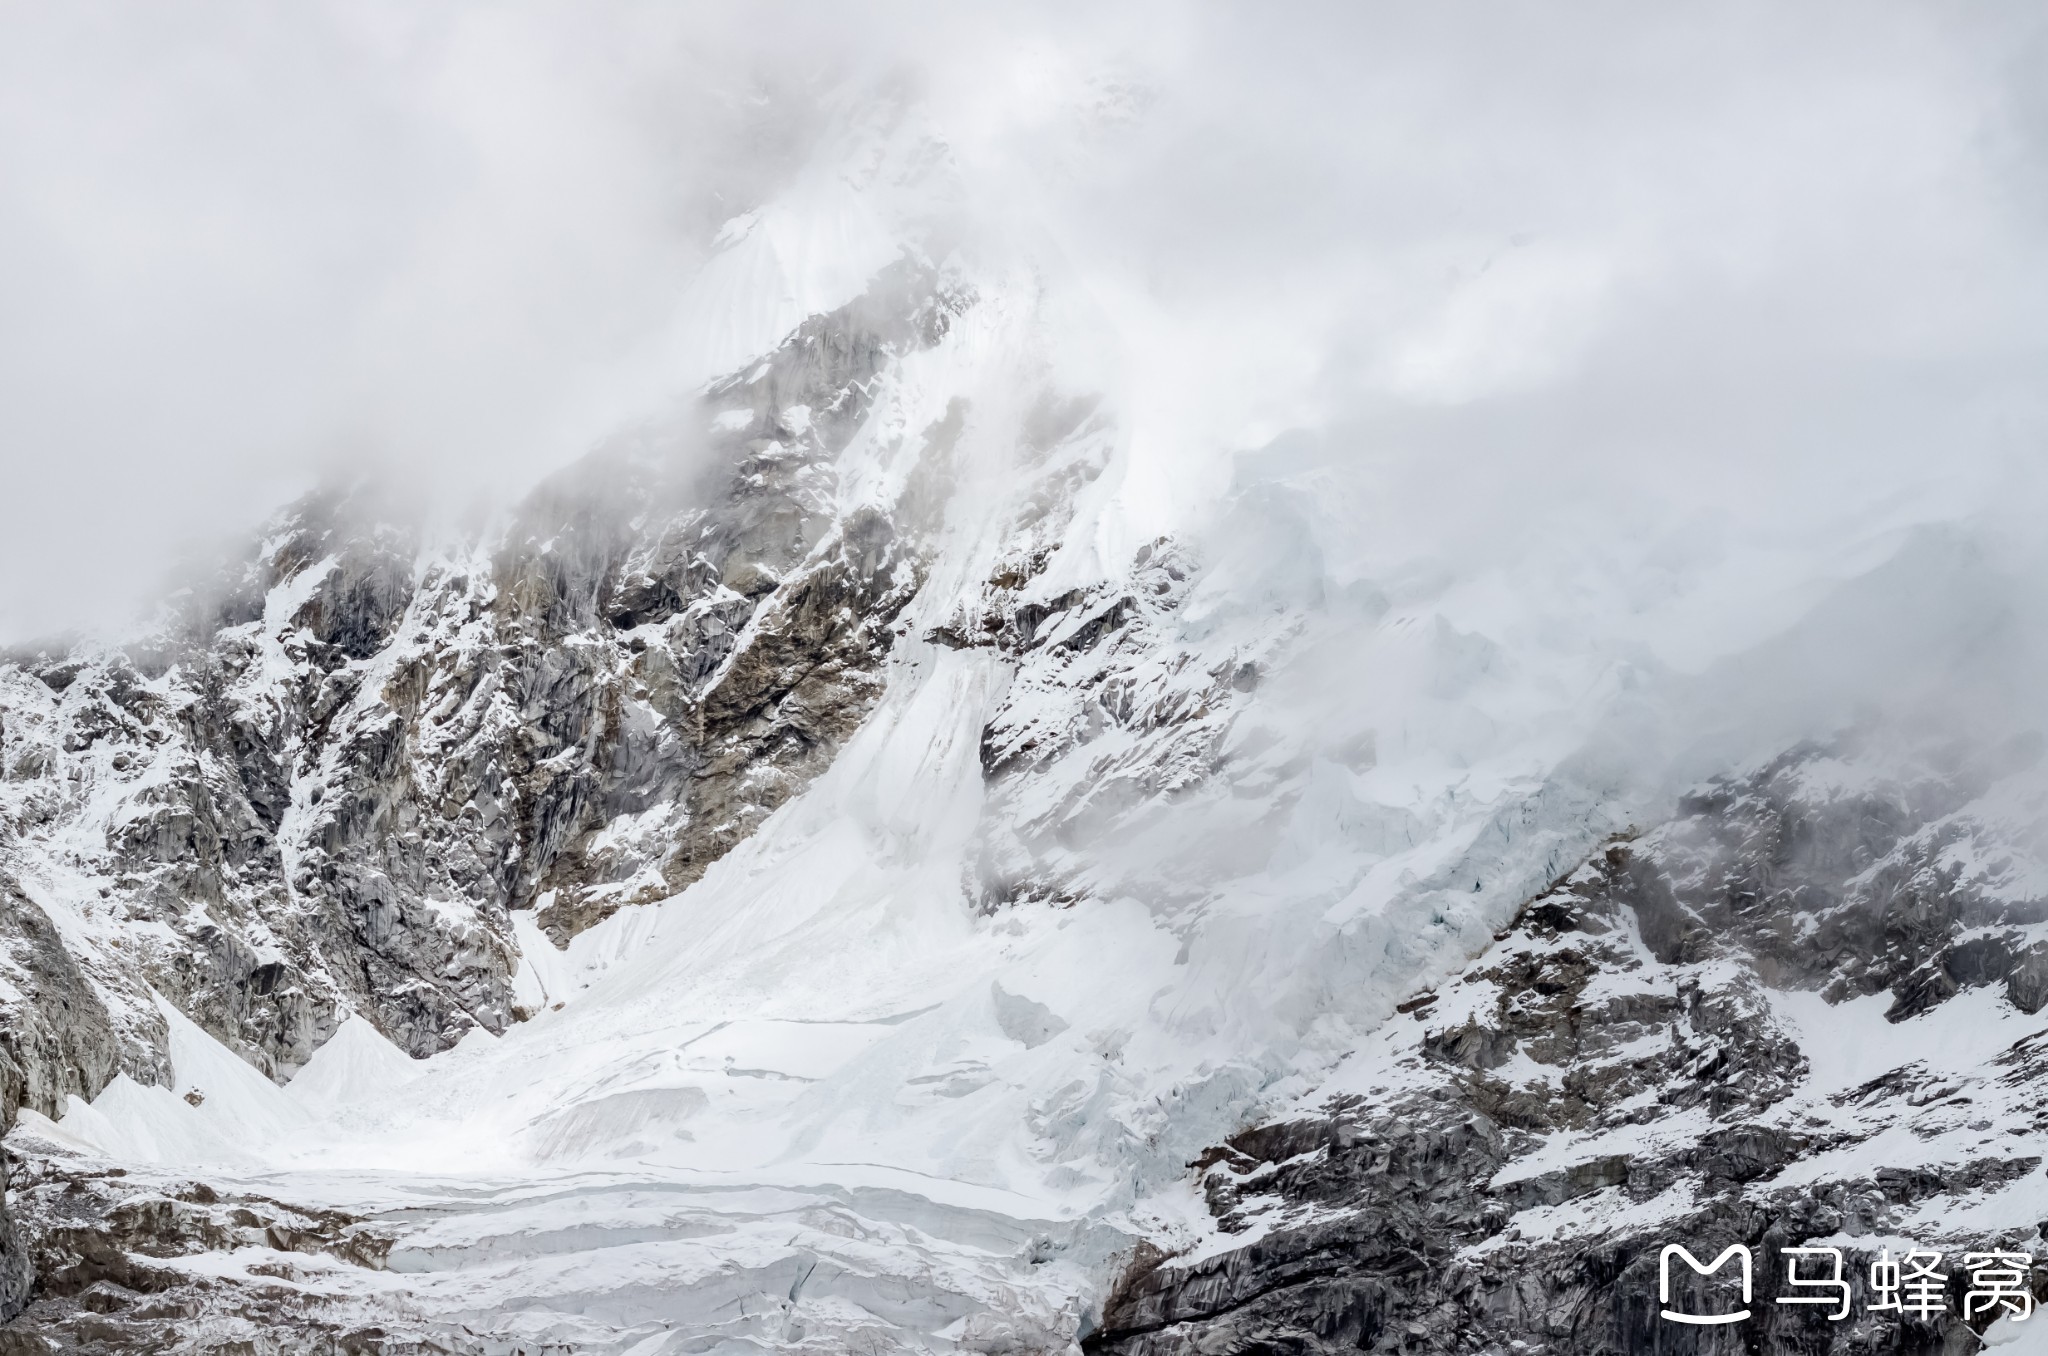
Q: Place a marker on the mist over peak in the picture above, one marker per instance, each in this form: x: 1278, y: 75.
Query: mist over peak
x: 246, y: 251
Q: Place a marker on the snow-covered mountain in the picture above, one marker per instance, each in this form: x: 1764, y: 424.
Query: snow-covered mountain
x: 838, y: 869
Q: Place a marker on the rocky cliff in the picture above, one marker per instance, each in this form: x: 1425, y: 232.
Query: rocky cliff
x: 1799, y: 1013
x: 329, y: 786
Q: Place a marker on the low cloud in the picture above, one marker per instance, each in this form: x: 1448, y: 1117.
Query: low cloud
x: 1734, y: 265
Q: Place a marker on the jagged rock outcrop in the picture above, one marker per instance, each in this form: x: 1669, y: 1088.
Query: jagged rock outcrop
x: 58, y: 1039
x: 17, y: 1269
x: 328, y: 786
x: 1119, y: 705
x: 115, y: 1255
x: 1649, y: 1056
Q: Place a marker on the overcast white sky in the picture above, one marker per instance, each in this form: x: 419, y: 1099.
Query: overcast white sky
x: 1759, y: 254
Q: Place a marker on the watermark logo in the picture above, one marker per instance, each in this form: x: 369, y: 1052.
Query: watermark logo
x: 1915, y: 1284
x: 1736, y: 1251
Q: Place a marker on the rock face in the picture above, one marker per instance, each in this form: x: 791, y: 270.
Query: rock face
x: 110, y: 1245
x: 17, y: 1271
x: 330, y: 786
x: 1119, y: 706
x: 329, y: 783
x: 1704, y: 1036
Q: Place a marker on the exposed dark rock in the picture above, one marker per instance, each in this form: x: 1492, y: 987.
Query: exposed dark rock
x: 326, y: 786
x: 1631, y: 1007
x: 107, y: 1247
